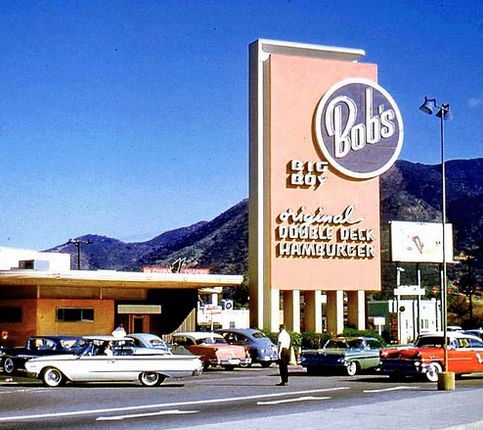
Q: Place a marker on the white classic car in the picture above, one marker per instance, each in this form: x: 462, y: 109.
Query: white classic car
x: 112, y: 359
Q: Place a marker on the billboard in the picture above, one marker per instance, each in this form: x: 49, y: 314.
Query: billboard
x: 420, y: 242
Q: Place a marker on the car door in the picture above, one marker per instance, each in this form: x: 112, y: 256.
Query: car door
x: 476, y: 351
x: 371, y: 354
x: 91, y: 368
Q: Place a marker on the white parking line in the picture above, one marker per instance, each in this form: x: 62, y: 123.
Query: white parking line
x: 165, y: 405
x: 298, y: 399
x: 382, y: 390
x: 24, y: 390
x: 147, y: 414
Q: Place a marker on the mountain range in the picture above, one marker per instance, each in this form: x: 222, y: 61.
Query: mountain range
x: 409, y: 192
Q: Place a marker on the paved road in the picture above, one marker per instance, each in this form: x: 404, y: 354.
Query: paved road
x: 247, y: 399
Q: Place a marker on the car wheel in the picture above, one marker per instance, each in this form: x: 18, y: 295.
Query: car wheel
x: 151, y: 379
x: 266, y: 364
x: 52, y: 377
x: 352, y: 368
x: 434, y: 369
x: 8, y: 366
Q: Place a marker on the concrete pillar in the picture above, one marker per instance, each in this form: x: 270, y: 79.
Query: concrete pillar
x: 271, y: 311
x: 313, y: 311
x: 291, y: 310
x: 335, y: 312
x: 356, y: 309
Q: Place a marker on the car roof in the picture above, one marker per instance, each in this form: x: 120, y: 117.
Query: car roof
x: 237, y: 330
x: 56, y: 337
x: 199, y: 334
x: 106, y: 337
x: 454, y: 334
x: 144, y: 335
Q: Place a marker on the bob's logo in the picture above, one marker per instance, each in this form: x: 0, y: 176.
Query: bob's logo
x: 359, y: 128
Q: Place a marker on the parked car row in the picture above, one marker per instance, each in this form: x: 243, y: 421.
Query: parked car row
x: 148, y: 359
x: 140, y: 357
x: 424, y: 359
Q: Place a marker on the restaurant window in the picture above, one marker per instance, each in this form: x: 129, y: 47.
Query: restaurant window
x: 75, y: 314
x: 10, y: 314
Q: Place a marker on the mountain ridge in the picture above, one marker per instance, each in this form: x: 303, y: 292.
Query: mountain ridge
x: 409, y: 192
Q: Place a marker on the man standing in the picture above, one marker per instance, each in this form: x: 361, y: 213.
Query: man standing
x: 119, y: 331
x: 283, y: 348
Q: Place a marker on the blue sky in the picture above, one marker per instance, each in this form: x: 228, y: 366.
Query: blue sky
x: 130, y: 118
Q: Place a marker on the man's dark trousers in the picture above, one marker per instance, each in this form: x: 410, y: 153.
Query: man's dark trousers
x: 283, y: 364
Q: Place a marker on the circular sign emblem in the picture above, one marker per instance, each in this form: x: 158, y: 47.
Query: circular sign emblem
x: 359, y: 128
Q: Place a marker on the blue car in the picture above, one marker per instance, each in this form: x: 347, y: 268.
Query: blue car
x: 12, y: 360
x: 349, y: 355
x: 261, y: 348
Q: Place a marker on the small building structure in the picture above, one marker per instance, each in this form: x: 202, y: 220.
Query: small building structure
x: 49, y: 298
x: 402, y: 320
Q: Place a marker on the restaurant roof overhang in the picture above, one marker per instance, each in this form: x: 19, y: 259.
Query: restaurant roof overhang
x: 112, y: 278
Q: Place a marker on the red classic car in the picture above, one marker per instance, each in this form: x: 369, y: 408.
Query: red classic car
x: 213, y: 349
x: 426, y: 357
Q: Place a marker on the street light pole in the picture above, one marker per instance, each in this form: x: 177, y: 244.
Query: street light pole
x: 429, y: 106
x: 398, y: 302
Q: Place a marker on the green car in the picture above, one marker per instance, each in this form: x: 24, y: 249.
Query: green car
x: 349, y: 355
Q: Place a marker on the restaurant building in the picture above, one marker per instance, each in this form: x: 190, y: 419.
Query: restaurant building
x: 40, y: 295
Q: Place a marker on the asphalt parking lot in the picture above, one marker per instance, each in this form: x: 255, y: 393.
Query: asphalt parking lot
x: 245, y: 398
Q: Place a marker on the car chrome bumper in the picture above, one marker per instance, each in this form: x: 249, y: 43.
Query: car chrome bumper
x: 231, y: 362
x: 404, y: 368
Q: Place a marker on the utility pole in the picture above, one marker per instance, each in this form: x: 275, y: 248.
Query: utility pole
x: 77, y: 243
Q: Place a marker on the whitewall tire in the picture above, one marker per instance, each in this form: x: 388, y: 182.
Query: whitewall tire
x: 52, y: 377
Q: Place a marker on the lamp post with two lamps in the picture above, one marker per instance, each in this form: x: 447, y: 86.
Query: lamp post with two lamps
x: 446, y: 380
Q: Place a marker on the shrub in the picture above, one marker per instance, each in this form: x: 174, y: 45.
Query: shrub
x: 311, y: 340
x: 352, y: 332
x: 314, y: 340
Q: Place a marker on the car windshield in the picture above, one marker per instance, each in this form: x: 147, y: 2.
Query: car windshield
x: 356, y: 343
x: 437, y: 341
x: 258, y: 335
x: 87, y: 350
x: 336, y: 343
x: 344, y: 343
x: 210, y: 341
x: 157, y: 343
x: 72, y: 343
